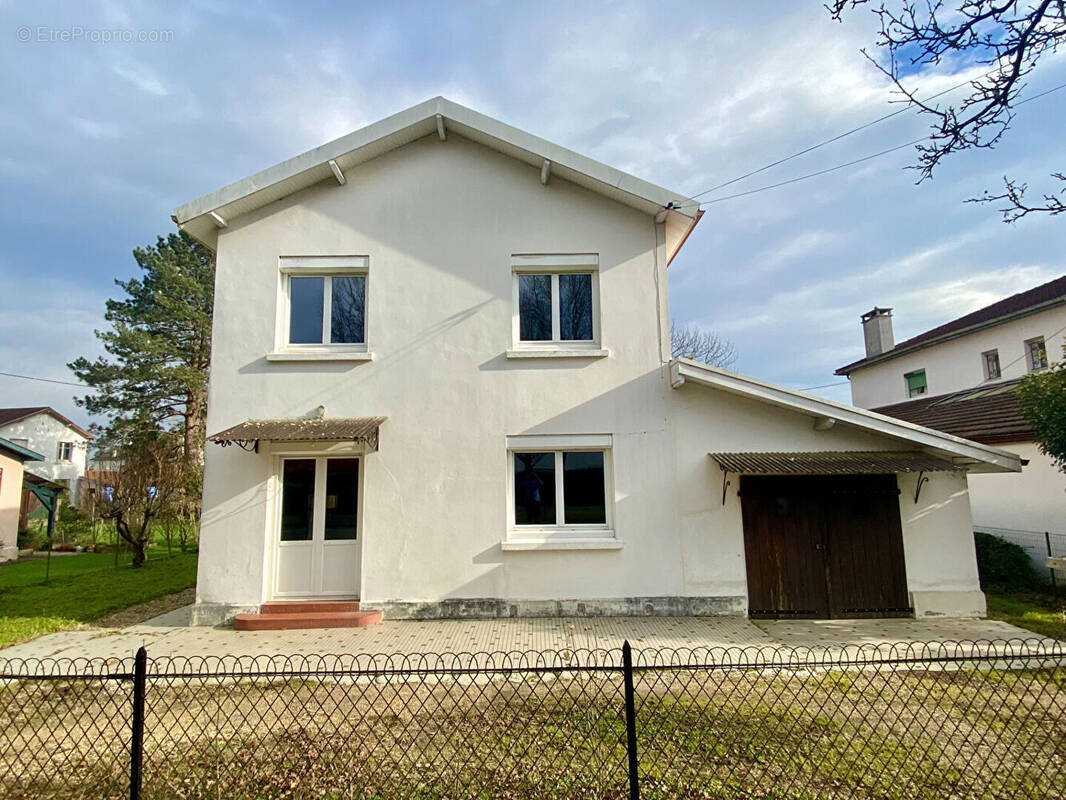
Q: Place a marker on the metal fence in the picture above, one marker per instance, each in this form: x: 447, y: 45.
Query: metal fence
x: 1038, y: 545
x: 938, y: 720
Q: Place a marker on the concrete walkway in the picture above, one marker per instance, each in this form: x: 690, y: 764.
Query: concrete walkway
x: 170, y: 635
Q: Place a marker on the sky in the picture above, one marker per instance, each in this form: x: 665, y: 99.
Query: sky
x: 114, y: 114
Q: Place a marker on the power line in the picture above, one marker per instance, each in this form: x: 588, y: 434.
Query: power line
x: 45, y: 380
x: 842, y: 166
x: 836, y: 138
x: 824, y: 386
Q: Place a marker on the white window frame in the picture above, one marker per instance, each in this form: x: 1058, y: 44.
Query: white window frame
x: 69, y: 448
x: 325, y: 267
x: 598, y: 536
x: 1033, y: 367
x: 556, y: 265
x: 984, y: 363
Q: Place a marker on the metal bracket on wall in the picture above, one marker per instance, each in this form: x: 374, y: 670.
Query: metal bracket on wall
x: 918, y: 489
x: 725, y: 483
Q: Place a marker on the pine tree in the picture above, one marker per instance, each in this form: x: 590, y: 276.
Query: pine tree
x: 159, y: 346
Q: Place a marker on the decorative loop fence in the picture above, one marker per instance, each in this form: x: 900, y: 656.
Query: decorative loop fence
x: 936, y: 720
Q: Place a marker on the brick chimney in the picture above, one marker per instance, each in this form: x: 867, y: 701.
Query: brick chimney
x: 877, y: 331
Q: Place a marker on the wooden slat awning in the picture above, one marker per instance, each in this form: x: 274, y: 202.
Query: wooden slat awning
x: 851, y: 462
x: 249, y: 433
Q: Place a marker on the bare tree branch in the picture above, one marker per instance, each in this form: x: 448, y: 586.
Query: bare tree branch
x: 1006, y: 35
x: 690, y: 341
x: 1017, y: 207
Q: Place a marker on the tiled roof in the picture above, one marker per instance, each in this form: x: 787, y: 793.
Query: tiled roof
x: 9, y: 416
x: 988, y: 414
x: 1015, y: 304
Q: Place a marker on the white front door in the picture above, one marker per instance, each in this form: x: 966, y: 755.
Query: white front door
x: 318, y: 526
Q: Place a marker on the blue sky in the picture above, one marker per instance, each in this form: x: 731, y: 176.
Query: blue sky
x: 99, y: 141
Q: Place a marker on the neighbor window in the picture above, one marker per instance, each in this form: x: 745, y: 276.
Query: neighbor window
x: 1036, y: 354
x: 556, y: 300
x: 66, y: 451
x: 562, y: 489
x: 916, y: 384
x: 992, y: 370
x: 325, y: 302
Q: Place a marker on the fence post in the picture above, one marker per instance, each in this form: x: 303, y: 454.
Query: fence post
x: 1047, y: 542
x: 631, y: 721
x: 140, y: 671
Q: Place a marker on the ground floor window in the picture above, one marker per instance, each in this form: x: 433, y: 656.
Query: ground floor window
x: 560, y: 489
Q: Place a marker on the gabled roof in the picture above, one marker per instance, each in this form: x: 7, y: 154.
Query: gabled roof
x: 9, y: 416
x: 23, y: 454
x: 202, y: 217
x: 989, y: 414
x: 1047, y: 295
x: 972, y: 456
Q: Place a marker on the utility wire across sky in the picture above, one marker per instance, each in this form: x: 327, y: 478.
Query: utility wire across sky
x: 838, y: 166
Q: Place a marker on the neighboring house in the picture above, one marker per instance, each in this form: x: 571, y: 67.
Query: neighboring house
x: 960, y: 378
x: 63, y: 443
x: 12, y: 458
x: 441, y: 362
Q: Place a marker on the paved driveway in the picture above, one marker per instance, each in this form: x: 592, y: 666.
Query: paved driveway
x: 170, y: 635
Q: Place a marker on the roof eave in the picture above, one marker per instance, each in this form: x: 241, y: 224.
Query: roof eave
x: 973, y: 456
x: 904, y: 348
x: 203, y: 217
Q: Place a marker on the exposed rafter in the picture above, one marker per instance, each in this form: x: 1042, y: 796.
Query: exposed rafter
x: 337, y: 172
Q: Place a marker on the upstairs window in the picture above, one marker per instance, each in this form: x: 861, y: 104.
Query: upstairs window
x: 916, y: 383
x: 991, y: 362
x: 1036, y: 354
x: 66, y: 451
x: 324, y: 302
x: 556, y: 301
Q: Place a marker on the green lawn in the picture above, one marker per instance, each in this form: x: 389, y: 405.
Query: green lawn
x: 83, y: 588
x: 1040, y: 613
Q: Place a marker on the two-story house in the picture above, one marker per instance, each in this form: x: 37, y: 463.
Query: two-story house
x: 441, y: 385
x: 63, y: 443
x: 960, y: 378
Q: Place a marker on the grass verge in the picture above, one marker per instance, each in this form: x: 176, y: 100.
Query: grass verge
x: 82, y: 588
x: 1037, y: 612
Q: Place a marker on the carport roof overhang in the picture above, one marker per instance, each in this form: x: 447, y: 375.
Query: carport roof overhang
x: 962, y: 453
x: 202, y: 218
x: 846, y: 462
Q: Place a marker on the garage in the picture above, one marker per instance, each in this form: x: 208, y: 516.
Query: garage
x: 822, y: 532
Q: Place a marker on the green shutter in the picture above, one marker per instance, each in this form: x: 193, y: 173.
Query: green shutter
x: 915, y: 380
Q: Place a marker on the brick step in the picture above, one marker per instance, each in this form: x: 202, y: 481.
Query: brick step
x: 306, y: 619
x: 305, y: 606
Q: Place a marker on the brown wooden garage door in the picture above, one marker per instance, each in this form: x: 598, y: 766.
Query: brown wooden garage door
x: 820, y: 547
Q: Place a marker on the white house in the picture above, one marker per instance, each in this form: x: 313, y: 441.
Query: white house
x: 63, y: 443
x: 960, y: 378
x: 441, y: 363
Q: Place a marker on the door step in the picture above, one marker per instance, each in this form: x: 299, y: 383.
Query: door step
x: 303, y: 614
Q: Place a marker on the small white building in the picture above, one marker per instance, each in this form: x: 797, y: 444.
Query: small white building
x: 960, y: 377
x: 64, y: 444
x: 441, y: 383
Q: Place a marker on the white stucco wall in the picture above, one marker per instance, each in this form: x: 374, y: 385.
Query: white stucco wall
x: 1033, y: 500
x: 10, y: 499
x: 43, y: 433
x: 957, y: 364
x: 439, y: 222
